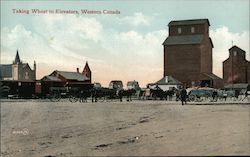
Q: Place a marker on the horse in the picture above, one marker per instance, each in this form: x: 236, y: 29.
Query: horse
x: 84, y: 94
x: 141, y: 95
x: 102, y: 93
x: 158, y: 93
x: 128, y: 93
x: 169, y: 93
x: 79, y: 94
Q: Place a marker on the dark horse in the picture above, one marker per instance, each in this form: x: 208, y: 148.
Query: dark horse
x: 106, y: 93
x: 127, y: 93
x: 84, y: 94
x: 158, y: 93
x: 102, y: 93
x: 79, y: 94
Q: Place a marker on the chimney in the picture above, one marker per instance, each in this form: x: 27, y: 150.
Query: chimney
x: 77, y: 70
x: 166, y: 79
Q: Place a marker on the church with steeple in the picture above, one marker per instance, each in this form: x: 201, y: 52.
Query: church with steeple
x: 18, y: 70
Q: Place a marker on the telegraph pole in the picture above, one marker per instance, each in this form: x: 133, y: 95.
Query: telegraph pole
x: 232, y: 55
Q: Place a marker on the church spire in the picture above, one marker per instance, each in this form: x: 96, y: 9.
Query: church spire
x: 86, y: 68
x: 86, y: 71
x: 17, y: 59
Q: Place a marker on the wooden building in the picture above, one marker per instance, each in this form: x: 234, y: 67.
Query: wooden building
x: 236, y: 69
x: 61, y: 79
x: 188, y: 53
x: 166, y: 83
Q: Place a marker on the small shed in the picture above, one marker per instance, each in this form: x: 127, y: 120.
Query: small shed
x: 166, y: 83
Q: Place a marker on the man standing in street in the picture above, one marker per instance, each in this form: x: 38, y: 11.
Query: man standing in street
x: 183, y: 96
x: 247, y: 92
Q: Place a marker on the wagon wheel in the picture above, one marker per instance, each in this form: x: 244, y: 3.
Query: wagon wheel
x: 73, y: 98
x: 248, y: 98
x: 191, y: 98
x: 210, y: 98
x: 153, y: 96
x: 55, y: 97
x: 101, y: 99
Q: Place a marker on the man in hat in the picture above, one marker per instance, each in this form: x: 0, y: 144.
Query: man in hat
x: 183, y: 96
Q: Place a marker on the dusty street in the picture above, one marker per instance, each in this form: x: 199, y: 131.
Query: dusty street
x: 37, y: 128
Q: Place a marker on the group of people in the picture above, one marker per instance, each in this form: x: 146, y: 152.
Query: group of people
x: 183, y: 95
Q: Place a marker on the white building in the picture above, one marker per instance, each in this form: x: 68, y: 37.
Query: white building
x: 166, y: 83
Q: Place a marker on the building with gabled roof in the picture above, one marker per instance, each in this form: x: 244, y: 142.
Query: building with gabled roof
x: 189, y: 22
x: 168, y: 80
x: 166, y: 83
x: 61, y: 79
x: 236, y: 69
x: 188, y: 53
x: 17, y: 71
x: 69, y: 77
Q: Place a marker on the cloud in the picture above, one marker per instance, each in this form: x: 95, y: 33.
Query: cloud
x: 222, y: 39
x: 66, y: 42
x: 22, y: 39
x: 58, y: 41
x: 136, y: 56
x: 136, y: 20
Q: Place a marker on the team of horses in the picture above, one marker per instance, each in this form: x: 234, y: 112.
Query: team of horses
x: 101, y: 94
x: 107, y: 94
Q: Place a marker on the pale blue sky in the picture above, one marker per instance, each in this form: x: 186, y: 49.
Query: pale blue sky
x: 232, y: 13
x: 115, y: 42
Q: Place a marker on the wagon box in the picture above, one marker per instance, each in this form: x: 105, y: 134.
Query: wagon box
x: 22, y: 89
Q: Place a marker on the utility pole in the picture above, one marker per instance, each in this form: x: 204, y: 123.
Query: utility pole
x: 232, y: 55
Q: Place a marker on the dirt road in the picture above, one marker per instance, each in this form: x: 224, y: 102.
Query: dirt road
x: 32, y: 128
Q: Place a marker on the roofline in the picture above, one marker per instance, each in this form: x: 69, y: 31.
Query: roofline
x: 18, y: 81
x: 184, y: 36
x: 217, y: 77
x: 225, y: 60
x: 181, y: 44
x: 236, y: 47
x: 211, y: 42
x: 5, y: 64
x: 169, y: 24
x: 52, y: 80
x: 66, y: 71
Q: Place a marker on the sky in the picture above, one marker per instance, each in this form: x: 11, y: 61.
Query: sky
x: 125, y: 46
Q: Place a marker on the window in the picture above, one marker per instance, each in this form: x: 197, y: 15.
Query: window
x: 179, y: 30
x: 235, y: 53
x: 38, y: 83
x: 192, y: 29
x: 26, y: 75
